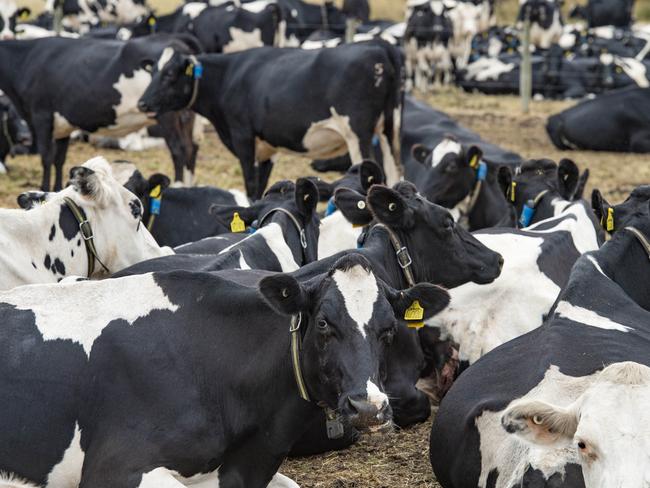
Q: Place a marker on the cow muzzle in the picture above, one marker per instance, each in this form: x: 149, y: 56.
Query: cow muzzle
x: 366, y: 416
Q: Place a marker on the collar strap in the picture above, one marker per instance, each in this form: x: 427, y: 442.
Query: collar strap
x: 294, y: 220
x: 195, y: 71
x: 466, y: 205
x: 296, y: 353
x: 87, y: 234
x: 643, y: 240
x: 5, y: 130
x: 155, y: 198
x: 402, y: 253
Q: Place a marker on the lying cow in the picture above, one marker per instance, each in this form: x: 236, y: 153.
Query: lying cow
x: 212, y: 85
x: 618, y: 129
x: 14, y: 132
x: 605, y: 12
x: 106, y: 106
x: 91, y: 228
x: 9, y: 16
x: 159, y: 330
x: 565, y: 404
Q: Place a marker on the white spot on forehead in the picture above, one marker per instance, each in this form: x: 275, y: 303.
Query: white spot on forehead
x: 7, y: 9
x: 166, y: 55
x: 445, y: 147
x: 59, y: 315
x: 437, y: 7
x: 588, y: 317
x: 192, y: 10
x: 240, y: 198
x: 360, y: 291
x: 375, y: 396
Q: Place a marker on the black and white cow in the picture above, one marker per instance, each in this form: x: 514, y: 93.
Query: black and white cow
x: 304, y: 18
x: 45, y: 244
x: 546, y: 21
x: 14, y: 132
x: 159, y: 330
x: 9, y: 16
x: 69, y: 101
x: 605, y: 12
x: 82, y: 15
x: 619, y: 127
x: 563, y: 405
x: 330, y: 82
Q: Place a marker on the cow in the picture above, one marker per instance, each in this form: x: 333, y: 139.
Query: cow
x: 159, y: 330
x: 14, y: 133
x: 223, y: 87
x: 9, y: 16
x: 546, y: 21
x: 92, y: 228
x: 356, y: 9
x: 605, y: 12
x: 225, y: 28
x: 618, y: 129
x: 107, y: 106
x: 81, y: 15
x: 302, y: 19
x: 613, y: 217
x: 568, y: 394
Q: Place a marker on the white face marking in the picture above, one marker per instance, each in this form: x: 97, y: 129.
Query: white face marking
x: 597, y: 266
x: 375, y: 396
x: 437, y: 7
x: 167, y: 54
x: 242, y: 40
x: 7, y: 9
x: 635, y: 69
x: 194, y: 9
x: 445, y: 147
x: 58, y: 315
x: 336, y: 234
x: 360, y: 291
x: 242, y: 262
x: 68, y: 471
x: 588, y: 317
x: 240, y: 198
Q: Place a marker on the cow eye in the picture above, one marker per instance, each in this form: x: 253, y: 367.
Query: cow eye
x: 322, y: 325
x: 582, y: 445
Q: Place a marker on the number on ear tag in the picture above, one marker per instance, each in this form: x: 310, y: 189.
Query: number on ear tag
x: 237, y: 224
x: 414, y: 312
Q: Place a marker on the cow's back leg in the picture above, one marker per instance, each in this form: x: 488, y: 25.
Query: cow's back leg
x: 42, y: 127
x: 177, y: 130
x: 60, y: 152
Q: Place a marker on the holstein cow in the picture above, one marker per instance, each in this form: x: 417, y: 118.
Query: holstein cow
x: 81, y: 15
x: 568, y: 404
x: 618, y: 128
x: 546, y: 21
x: 14, y: 132
x: 605, y: 12
x: 302, y: 19
x: 91, y: 228
x: 159, y: 330
x: 330, y: 82
x: 68, y: 101
x: 225, y: 28
x: 9, y: 15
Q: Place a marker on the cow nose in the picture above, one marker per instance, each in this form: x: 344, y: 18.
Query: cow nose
x: 142, y: 106
x: 367, y: 414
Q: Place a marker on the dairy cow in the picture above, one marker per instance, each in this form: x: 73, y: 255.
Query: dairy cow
x: 546, y: 21
x: 605, y: 12
x: 9, y: 16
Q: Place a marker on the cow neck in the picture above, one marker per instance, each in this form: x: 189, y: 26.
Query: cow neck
x: 380, y: 247
x: 489, y: 209
x: 12, y: 53
x: 295, y: 240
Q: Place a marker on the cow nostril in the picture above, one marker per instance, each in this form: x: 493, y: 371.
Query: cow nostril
x: 142, y: 106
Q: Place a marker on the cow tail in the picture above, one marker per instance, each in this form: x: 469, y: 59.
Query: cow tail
x: 394, y: 104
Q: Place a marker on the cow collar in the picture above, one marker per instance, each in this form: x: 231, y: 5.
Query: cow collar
x: 195, y: 71
x: 334, y: 425
x: 466, y: 206
x: 296, y: 224
x: 87, y: 234
x: 643, y: 240
x: 402, y: 253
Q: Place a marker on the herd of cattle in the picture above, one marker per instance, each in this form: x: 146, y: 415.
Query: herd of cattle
x: 443, y: 269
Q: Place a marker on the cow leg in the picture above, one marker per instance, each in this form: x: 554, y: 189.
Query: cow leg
x: 159, y: 478
x: 60, y: 152
x: 263, y: 171
x: 177, y: 130
x: 245, y: 152
x: 43, y: 127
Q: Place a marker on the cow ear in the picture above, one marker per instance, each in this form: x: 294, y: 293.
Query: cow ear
x: 370, y: 174
x: 306, y: 196
x: 23, y: 13
x: 84, y: 180
x: 473, y: 156
x: 353, y: 206
x: 159, y: 179
x: 600, y: 206
x: 284, y: 294
x: 147, y: 65
x: 420, y: 153
x: 389, y: 207
x: 325, y: 189
x: 418, y: 303
x: 504, y: 177
x: 539, y: 422
x: 30, y: 199
x: 568, y: 175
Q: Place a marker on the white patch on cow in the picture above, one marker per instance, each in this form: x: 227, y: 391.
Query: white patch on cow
x: 27, y: 31
x: 597, y: 266
x: 3, y: 168
x: 10, y: 480
x: 581, y: 228
x: 360, y: 291
x: 376, y: 397
x: 59, y: 316
x: 488, y: 69
x: 67, y: 473
x: 188, y: 177
x: 194, y: 9
x: 166, y: 56
x: 257, y: 6
x: 445, y: 147
x: 242, y: 40
x: 281, y: 481
x: 328, y: 43
x: 62, y: 128
x: 584, y: 316
x: 635, y: 69
x: 332, y: 137
x: 240, y: 198
x: 123, y: 171
x: 140, y: 141
x: 242, y: 262
x: 545, y: 38
x: 336, y: 234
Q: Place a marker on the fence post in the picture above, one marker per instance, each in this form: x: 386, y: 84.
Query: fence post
x: 323, y: 15
x: 350, y: 29
x: 57, y: 17
x: 526, y: 69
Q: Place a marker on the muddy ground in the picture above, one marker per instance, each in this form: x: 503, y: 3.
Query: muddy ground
x: 399, y: 459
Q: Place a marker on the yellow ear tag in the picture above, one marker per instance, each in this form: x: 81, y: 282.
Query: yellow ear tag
x: 610, y: 219
x: 513, y: 187
x: 237, y: 224
x: 189, y: 71
x: 414, y: 315
x: 155, y: 193
x: 152, y: 21
x: 474, y: 161
x: 24, y: 16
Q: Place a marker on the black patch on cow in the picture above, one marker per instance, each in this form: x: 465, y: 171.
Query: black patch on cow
x: 78, y: 242
x: 58, y: 280
x: 67, y: 222
x: 33, y: 264
x: 533, y: 478
x: 492, y: 478
x: 136, y: 208
x: 47, y: 262
x: 52, y: 232
x: 71, y: 253
x: 58, y: 266
x: 555, y: 264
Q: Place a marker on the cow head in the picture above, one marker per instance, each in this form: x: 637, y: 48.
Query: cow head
x: 615, y: 217
x: 537, y: 184
x: 452, y: 171
x: 9, y: 16
x: 348, y: 318
x: 172, y: 83
x: 125, y: 11
x: 428, y: 23
x: 605, y: 427
x: 539, y: 12
x: 442, y: 251
x: 114, y: 213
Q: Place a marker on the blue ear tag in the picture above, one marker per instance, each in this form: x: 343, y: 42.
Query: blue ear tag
x: 527, y: 213
x: 331, y: 207
x: 251, y: 230
x: 154, y: 206
x: 482, y: 171
x: 198, y: 71
x: 375, y: 140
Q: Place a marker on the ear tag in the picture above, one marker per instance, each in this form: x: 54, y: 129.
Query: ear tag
x: 237, y: 224
x: 24, y: 15
x: 527, y: 213
x: 513, y: 187
x: 473, y: 163
x: 155, y: 198
x: 198, y: 71
x: 414, y: 312
x: 331, y: 207
x: 189, y: 71
x: 334, y: 426
x: 610, y: 219
x: 482, y: 171
x: 152, y: 21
